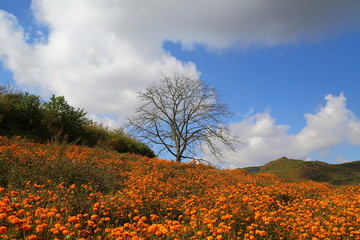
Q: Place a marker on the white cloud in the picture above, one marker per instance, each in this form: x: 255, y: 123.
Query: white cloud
x: 340, y: 159
x: 327, y: 127
x: 94, y: 65
x: 98, y: 52
x: 354, y: 134
x: 332, y: 125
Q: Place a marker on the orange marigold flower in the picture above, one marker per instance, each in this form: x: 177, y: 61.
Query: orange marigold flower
x: 152, y: 229
x: 261, y: 233
x: 154, y: 217
x: 72, y: 219
x: 40, y: 228
x: 14, y: 220
x: 50, y: 214
x: 62, y: 228
x: 245, y: 199
x: 3, y: 215
x: 3, y: 229
x: 26, y: 227
x: 219, y: 237
x: 33, y: 237
x: 227, y: 216
x: 77, y: 225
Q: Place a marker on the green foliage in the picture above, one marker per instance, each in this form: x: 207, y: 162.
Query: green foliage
x: 26, y: 115
x: 62, y: 119
x: 20, y: 114
x: 117, y: 140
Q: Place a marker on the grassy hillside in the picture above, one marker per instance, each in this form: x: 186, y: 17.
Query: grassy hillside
x: 51, y: 191
x: 345, y: 173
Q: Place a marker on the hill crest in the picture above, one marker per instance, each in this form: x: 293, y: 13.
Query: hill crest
x: 293, y: 169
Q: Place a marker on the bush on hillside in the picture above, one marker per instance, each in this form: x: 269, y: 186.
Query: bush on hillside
x: 26, y: 115
x: 63, y: 120
x: 21, y: 114
x: 100, y: 136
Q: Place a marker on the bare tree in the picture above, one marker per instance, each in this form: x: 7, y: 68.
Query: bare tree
x: 184, y: 116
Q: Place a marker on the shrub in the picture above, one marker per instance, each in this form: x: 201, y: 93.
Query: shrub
x: 23, y: 114
x: 61, y: 118
x: 99, y: 136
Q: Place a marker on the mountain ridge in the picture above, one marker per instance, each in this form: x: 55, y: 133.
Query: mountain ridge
x: 300, y: 170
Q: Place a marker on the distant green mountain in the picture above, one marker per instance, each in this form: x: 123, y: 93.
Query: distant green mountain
x: 337, y: 174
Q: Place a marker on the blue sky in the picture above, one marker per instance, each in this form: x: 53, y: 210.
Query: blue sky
x: 289, y: 71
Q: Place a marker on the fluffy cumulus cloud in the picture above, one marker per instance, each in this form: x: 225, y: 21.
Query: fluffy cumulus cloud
x: 97, y: 53
x: 264, y: 140
x: 86, y: 58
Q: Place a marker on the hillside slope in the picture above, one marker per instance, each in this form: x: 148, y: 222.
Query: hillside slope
x: 50, y: 191
x: 337, y: 174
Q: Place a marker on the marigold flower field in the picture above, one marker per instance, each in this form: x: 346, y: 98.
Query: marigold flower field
x: 53, y: 191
